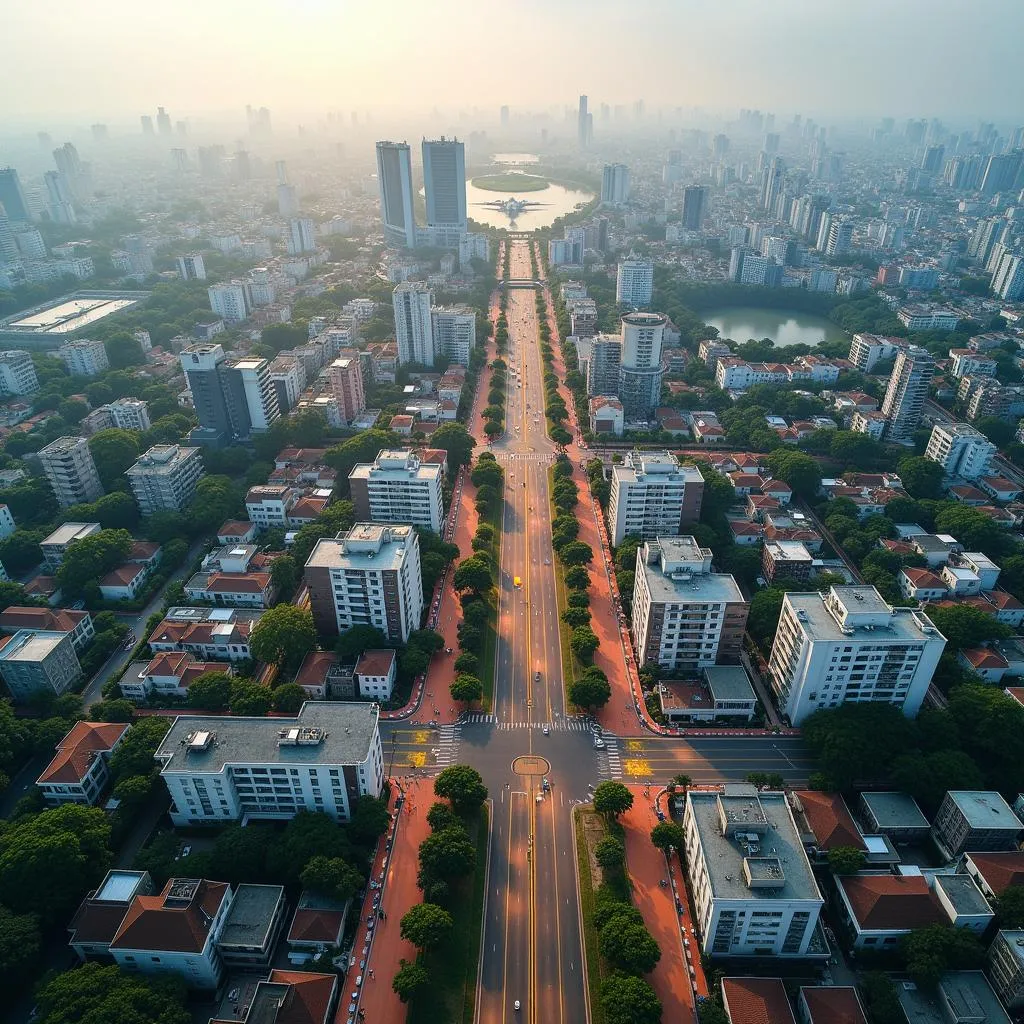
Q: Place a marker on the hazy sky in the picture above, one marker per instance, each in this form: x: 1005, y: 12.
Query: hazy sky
x: 110, y: 59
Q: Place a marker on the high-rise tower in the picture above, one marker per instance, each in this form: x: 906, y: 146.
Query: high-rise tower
x: 394, y: 177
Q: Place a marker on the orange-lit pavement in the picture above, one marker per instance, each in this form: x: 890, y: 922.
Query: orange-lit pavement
x: 377, y: 999
x: 647, y: 869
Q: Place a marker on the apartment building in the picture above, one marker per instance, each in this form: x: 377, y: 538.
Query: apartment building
x: 79, y: 771
x: 368, y: 576
x: 38, y: 661
x: 969, y: 363
x: 268, y: 505
x: 685, y: 617
x: 652, y: 495
x: 84, y: 357
x: 223, y: 769
x: 397, y: 487
x: 752, y: 884
x: 454, y: 330
x: 208, y: 633
x: 54, y: 546
x: 71, y: 472
x: 634, y: 282
x: 346, y: 378
x: 17, y: 373
x: 77, y: 623
x: 129, y: 414
x: 164, y: 478
x: 787, y: 559
x: 851, y: 645
x: 1006, y: 967
x: 960, y: 449
x: 975, y: 820
x: 907, y: 392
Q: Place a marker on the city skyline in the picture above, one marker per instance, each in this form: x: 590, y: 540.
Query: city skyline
x: 749, y: 46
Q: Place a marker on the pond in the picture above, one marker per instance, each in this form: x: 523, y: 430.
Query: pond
x: 783, y: 326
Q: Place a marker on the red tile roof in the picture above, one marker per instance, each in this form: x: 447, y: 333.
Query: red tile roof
x: 316, y: 925
x: 999, y: 870
x: 309, y: 996
x: 143, y: 551
x: 235, y: 528
x: 308, y: 508
x: 375, y: 663
x: 922, y: 579
x: 238, y: 582
x: 984, y: 658
x: 153, y: 923
x: 314, y: 668
x: 63, y: 620
x: 830, y: 820
x: 891, y: 902
x: 833, y: 1004
x: 756, y: 1001
x: 123, y: 575
x: 76, y: 752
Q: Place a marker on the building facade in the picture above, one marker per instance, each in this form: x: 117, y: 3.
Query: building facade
x: 164, y: 478
x: 652, y: 495
x: 38, y: 661
x: 412, y: 301
x: 71, y: 471
x: 84, y: 357
x: 907, y: 392
x: 346, y: 377
x: 397, y: 487
x: 961, y: 450
x: 634, y: 282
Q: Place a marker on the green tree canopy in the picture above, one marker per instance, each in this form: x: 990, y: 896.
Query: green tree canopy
x: 409, y: 979
x: 930, y: 952
x: 332, y: 877
x: 357, y: 639
x: 963, y: 625
x: 590, y: 690
x: 629, y: 1000
x: 289, y: 698
x: 629, y: 946
x: 90, y: 559
x: 134, y: 754
x: 473, y: 574
x: 610, y: 853
x: 113, y: 451
x: 447, y: 854
x: 922, y: 478
x: 426, y: 925
x: 104, y: 994
x: 612, y: 799
x: 249, y: 698
x: 457, y: 442
x: 283, y: 635
x: 666, y: 834
x: 211, y: 691
x: 462, y: 785
x: 846, y: 860
x: 466, y: 688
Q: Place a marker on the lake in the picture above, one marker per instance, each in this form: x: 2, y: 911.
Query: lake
x: 783, y: 326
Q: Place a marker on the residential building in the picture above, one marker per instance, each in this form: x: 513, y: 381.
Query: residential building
x: 100, y: 914
x: 756, y: 1000
x: 223, y: 769
x: 583, y: 318
x: 961, y: 450
x: 208, y: 633
x: 368, y: 576
x: 346, y: 377
x: 71, y: 472
x: 652, y: 495
x: 895, y: 816
x: 79, y: 771
x: 851, y: 645
x: 614, y: 185
x: 124, y: 582
x: 54, y: 546
x: 975, y: 820
x: 12, y: 195
x: 17, y: 373
x: 960, y: 996
x: 248, y: 394
x: 318, y: 922
x: 994, y: 871
x: 788, y: 560
x: 634, y: 282
x: 710, y: 351
x: 1006, y: 967
x: 164, y: 478
x: 301, y: 236
x: 375, y: 674
x: 232, y: 589
x: 77, y: 623
x: 201, y: 364
x: 84, y: 357
x: 289, y: 378
x: 871, y: 423
x: 640, y: 363
x: 293, y: 997
x: 38, y: 661
x: 175, y: 932
x: 927, y: 318
x: 167, y: 676
x: 454, y: 332
x: 969, y: 363
x: 191, y: 267
x: 752, y: 885
x: 685, y: 617
x: 602, y: 363
x: 394, y: 178
x: 695, y: 204
x: 414, y: 333
x: 268, y: 505
x: 444, y: 180
x: 1008, y: 279
x: 231, y: 300
x: 129, y: 414
x: 868, y: 349
x: 723, y: 694
x: 398, y: 487
x: 606, y: 415
x: 907, y: 392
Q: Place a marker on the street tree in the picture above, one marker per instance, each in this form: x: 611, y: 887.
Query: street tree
x: 332, y: 877
x: 576, y: 553
x: 610, y: 853
x: 667, y: 834
x: 467, y: 663
x: 612, y: 799
x: 441, y: 816
x: 473, y: 574
x: 426, y: 925
x: 575, y: 617
x: 577, y: 578
x: 629, y: 946
x: 462, y: 785
x: 629, y: 1000
x: 457, y: 442
x: 409, y: 979
x: 590, y: 691
x: 466, y: 688
x: 583, y: 642
x: 447, y: 854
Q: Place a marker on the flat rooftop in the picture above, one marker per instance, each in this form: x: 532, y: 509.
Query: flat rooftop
x: 729, y: 682
x: 119, y: 886
x: 68, y: 532
x: 701, y: 588
x: 31, y: 645
x: 366, y: 546
x: 967, y: 993
x: 251, y: 915
x: 888, y: 625
x: 197, y: 743
x: 895, y: 810
x: 52, y: 322
x: 964, y: 894
x: 984, y: 809
x: 767, y: 814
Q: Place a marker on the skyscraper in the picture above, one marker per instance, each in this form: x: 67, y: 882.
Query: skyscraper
x: 907, y: 392
x: 147, y: 124
x: 163, y: 121
x: 614, y: 184
x: 69, y: 467
x: 1002, y: 172
x: 583, y: 124
x: 931, y: 159
x: 413, y: 328
x: 695, y: 198
x: 394, y: 178
x: 840, y: 236
x: 771, y: 181
x: 301, y: 236
x: 634, y: 282
x: 444, y: 179
x: 12, y: 198
x: 504, y: 117
x: 640, y: 363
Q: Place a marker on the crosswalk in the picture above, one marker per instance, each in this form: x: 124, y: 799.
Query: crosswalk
x: 447, y: 751
x: 609, y: 760
x: 570, y: 723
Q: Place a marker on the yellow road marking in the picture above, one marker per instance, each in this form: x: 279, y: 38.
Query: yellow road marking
x: 636, y: 766
x: 421, y: 736
x: 417, y: 758
x: 635, y: 745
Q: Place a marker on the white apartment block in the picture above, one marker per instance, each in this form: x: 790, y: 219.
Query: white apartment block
x: 968, y: 363
x: 397, y: 487
x: 926, y: 318
x: 164, y: 478
x: 868, y: 349
x: 851, y: 645
x: 38, y: 661
x: 412, y: 302
x: 84, y: 357
x: 752, y: 884
x: 269, y: 504
x: 289, y: 378
x: 225, y: 769
x: 129, y: 414
x: 368, y: 576
x: 685, y: 617
x: 17, y: 373
x: 454, y: 332
x: 870, y: 423
x: 652, y: 495
x: 230, y: 300
x: 191, y: 267
x: 962, y: 451
x: 69, y: 467
x: 907, y: 392
x: 634, y: 282
x: 346, y: 377
x: 248, y: 381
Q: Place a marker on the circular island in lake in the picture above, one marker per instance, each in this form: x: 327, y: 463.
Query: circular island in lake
x: 510, y: 182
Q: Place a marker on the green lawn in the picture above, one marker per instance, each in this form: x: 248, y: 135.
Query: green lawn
x: 510, y: 183
x: 451, y: 995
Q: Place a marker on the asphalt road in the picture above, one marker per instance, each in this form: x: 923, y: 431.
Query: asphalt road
x: 532, y: 949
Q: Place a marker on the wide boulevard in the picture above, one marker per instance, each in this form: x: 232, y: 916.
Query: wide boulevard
x: 532, y: 948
